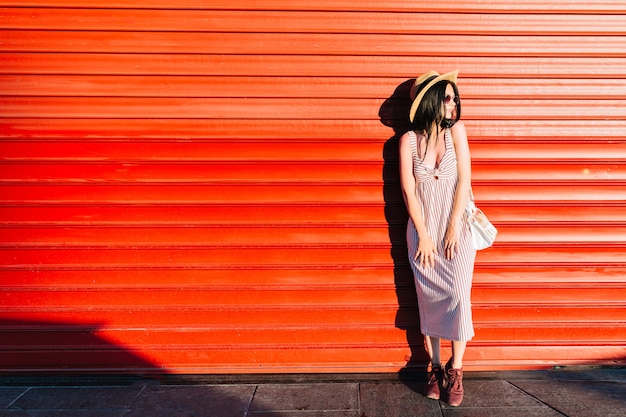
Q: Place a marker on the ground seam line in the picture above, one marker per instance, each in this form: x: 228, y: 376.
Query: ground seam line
x: 538, y: 399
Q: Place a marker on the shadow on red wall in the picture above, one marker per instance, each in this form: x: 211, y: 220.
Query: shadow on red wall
x: 54, y: 368
x: 394, y: 113
x: 61, y: 347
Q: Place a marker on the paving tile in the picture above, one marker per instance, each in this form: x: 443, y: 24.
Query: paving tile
x: 192, y: 401
x: 76, y: 398
x: 485, y: 398
x: 495, y: 394
x: 318, y: 413
x: 500, y: 412
x: 306, y: 397
x: 387, y: 399
x: 593, y: 374
x: 9, y: 394
x: 580, y: 398
x: 62, y: 413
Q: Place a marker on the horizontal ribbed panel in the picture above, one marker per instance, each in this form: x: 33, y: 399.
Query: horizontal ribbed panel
x: 304, y: 65
x: 229, y: 24
x: 560, y: 6
x: 314, y: 44
x: 202, y: 186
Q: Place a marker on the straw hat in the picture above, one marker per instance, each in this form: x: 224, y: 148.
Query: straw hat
x: 423, y: 84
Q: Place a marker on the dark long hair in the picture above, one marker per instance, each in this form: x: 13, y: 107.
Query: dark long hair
x: 431, y: 110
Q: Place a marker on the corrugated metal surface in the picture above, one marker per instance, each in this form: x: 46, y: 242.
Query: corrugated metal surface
x: 207, y: 186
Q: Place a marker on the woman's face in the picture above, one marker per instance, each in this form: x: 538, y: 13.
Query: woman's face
x: 449, y: 102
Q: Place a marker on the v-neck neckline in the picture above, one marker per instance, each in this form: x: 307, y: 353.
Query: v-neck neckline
x: 445, y: 152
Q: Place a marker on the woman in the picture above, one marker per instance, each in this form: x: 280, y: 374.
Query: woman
x: 435, y: 172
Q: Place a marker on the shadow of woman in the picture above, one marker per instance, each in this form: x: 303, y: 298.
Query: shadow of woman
x: 394, y: 113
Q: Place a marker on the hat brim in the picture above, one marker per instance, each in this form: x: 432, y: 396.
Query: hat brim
x: 450, y: 76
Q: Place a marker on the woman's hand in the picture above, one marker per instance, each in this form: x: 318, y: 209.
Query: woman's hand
x: 451, y: 241
x: 426, y: 251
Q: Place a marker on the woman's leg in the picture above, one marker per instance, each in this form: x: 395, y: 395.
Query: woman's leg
x: 433, y: 346
x: 435, y: 376
x: 458, y: 351
x: 454, y: 374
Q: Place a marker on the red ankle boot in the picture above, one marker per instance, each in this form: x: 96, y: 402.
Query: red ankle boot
x: 454, y: 385
x: 432, y: 389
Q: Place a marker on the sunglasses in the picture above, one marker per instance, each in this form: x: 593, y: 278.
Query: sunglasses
x: 448, y: 98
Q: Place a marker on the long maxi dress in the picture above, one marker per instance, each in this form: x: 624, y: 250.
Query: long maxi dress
x: 443, y: 291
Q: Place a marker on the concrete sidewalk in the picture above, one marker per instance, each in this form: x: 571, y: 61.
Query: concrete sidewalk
x: 575, y: 392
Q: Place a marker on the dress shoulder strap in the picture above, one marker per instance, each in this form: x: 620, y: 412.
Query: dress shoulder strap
x: 413, y: 142
x: 449, y: 136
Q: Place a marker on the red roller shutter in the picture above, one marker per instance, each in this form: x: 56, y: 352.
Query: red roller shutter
x: 201, y: 186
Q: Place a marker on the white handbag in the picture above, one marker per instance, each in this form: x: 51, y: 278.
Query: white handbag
x: 483, y: 232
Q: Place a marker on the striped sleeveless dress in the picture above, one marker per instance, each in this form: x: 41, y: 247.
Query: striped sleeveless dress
x: 443, y: 291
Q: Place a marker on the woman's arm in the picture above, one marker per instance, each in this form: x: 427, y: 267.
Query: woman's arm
x: 426, y: 248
